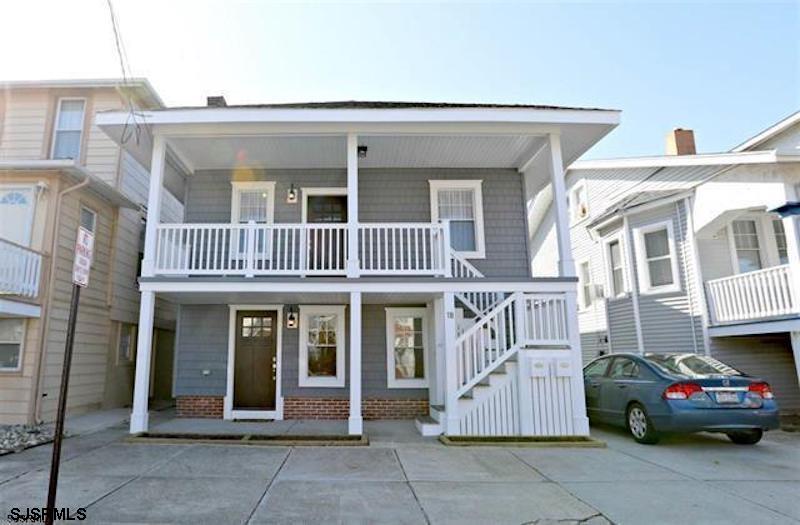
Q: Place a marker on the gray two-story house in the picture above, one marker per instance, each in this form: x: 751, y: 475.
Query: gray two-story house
x: 365, y: 260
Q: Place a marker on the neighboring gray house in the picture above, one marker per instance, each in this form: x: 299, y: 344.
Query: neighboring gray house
x: 682, y: 253
x: 364, y: 260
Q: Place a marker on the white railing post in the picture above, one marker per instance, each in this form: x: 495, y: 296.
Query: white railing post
x: 452, y: 426
x: 447, y: 250
x: 524, y: 387
x: 251, y: 249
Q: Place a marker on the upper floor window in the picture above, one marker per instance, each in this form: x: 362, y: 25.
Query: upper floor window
x: 616, y: 272
x: 88, y: 219
x: 746, y: 245
x: 461, y: 203
x: 658, y: 262
x: 17, y: 206
x: 253, y: 201
x: 68, y: 128
x: 780, y: 241
x: 578, y: 203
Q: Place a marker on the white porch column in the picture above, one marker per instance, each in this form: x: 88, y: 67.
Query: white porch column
x: 144, y: 345
x: 352, y: 205
x: 355, y: 423
x: 154, y: 204
x: 451, y: 374
x: 439, y: 397
x: 566, y: 264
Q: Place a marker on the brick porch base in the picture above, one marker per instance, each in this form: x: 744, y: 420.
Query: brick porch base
x: 311, y: 408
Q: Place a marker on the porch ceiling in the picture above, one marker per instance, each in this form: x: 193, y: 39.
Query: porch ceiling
x: 293, y: 298
x: 383, y: 151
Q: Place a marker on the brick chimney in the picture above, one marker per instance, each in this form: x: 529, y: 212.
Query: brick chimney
x: 680, y: 142
x: 217, y: 101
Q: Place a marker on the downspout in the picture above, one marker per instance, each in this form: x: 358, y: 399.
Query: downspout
x: 36, y: 408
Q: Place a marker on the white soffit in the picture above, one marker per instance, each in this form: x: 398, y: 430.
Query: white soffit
x: 384, y: 151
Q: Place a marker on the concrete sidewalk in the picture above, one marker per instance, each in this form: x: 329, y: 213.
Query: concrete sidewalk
x: 403, y: 478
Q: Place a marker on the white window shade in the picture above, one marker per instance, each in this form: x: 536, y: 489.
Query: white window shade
x: 461, y: 203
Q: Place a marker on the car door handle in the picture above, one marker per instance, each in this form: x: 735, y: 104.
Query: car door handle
x: 622, y: 386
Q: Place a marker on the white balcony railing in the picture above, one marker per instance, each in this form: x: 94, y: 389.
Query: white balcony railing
x: 20, y: 270
x: 299, y: 249
x: 752, y: 296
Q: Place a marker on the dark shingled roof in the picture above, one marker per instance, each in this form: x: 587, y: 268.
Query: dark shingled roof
x: 379, y: 104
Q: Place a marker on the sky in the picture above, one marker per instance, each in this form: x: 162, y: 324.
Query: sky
x: 726, y: 70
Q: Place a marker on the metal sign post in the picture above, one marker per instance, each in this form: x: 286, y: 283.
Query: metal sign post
x: 84, y: 247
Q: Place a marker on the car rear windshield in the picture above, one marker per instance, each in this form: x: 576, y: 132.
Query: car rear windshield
x: 691, y: 365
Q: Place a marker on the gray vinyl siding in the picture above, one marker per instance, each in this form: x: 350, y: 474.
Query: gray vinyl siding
x: 767, y: 356
x: 203, y: 345
x: 622, y: 329
x: 386, y: 195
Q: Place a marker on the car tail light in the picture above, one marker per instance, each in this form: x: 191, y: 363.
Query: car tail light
x: 762, y: 389
x: 681, y: 390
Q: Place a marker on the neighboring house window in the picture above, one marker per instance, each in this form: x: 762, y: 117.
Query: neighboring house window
x: 16, y: 214
x: 11, y: 344
x: 68, y: 129
x: 321, y: 360
x: 88, y: 219
x: 578, y: 203
x: 253, y: 201
x: 746, y: 246
x: 461, y: 203
x: 406, y: 347
x: 615, y: 267
x: 585, y: 285
x: 658, y: 263
x: 780, y: 241
x: 126, y: 347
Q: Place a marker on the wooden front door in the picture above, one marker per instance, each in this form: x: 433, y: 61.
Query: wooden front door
x: 255, y: 360
x: 327, y: 247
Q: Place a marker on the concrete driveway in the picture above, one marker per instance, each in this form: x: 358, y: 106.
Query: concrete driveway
x: 402, y: 478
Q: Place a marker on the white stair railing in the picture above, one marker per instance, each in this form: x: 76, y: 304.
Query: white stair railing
x: 485, y: 346
x: 479, y: 302
x: 20, y: 270
x: 752, y: 295
x: 544, y: 318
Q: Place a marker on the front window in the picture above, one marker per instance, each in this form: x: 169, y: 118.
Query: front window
x: 461, y: 203
x: 406, y: 346
x: 658, y: 268
x: 623, y: 368
x: 16, y: 214
x: 780, y: 241
x: 596, y: 368
x: 11, y: 344
x: 585, y: 284
x: 616, y: 268
x: 322, y: 346
x: 68, y: 129
x: 745, y: 241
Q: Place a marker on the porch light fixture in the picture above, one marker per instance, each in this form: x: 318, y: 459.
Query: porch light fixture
x: 362, y: 152
x: 291, y: 318
x: 291, y: 196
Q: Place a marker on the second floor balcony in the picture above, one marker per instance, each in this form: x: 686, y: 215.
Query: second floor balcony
x: 761, y: 295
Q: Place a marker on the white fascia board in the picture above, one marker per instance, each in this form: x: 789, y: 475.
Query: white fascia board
x: 755, y: 328
x: 768, y: 133
x: 665, y: 161
x: 355, y: 285
x: 11, y: 308
x: 362, y: 116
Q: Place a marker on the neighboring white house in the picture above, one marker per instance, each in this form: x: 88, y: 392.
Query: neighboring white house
x: 59, y: 171
x: 364, y: 260
x: 683, y: 252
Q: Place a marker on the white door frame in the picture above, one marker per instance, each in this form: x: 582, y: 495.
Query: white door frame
x: 228, y: 411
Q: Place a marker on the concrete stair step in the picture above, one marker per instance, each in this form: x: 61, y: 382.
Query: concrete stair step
x: 428, y: 426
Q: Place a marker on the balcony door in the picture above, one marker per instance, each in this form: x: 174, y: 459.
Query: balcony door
x: 16, y: 214
x: 327, y: 246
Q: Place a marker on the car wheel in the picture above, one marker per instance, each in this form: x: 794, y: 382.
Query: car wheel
x: 640, y: 426
x: 746, y: 437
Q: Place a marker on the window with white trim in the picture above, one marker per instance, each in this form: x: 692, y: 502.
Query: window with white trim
x: 746, y: 246
x: 17, y: 208
x: 68, y: 128
x: 88, y: 219
x: 253, y: 201
x: 616, y: 269
x: 406, y: 347
x: 461, y: 203
x: 322, y: 352
x: 11, y: 331
x: 657, y: 258
x: 780, y: 241
x: 578, y: 201
x: 584, y: 285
